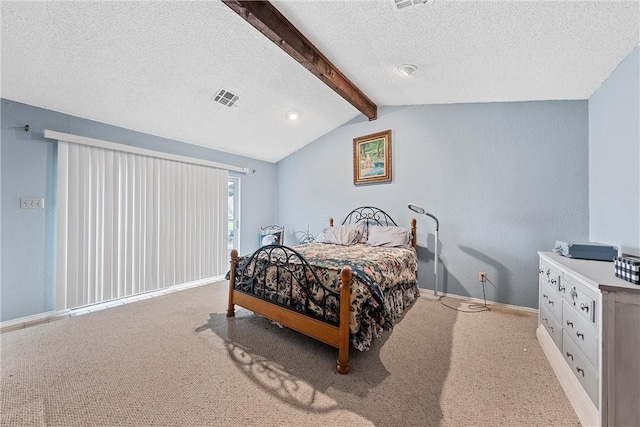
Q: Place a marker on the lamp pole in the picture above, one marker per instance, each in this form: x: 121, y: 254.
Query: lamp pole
x: 421, y: 211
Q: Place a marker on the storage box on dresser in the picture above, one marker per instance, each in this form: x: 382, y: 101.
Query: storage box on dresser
x: 589, y: 329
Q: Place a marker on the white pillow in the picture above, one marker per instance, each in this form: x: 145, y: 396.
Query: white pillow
x: 388, y: 236
x: 346, y: 234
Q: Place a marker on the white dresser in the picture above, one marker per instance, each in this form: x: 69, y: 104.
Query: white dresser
x: 589, y: 329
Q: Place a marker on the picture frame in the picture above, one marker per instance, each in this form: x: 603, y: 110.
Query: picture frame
x: 372, y: 158
x: 271, y: 235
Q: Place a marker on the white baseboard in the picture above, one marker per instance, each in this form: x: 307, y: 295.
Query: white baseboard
x: 429, y: 293
x: 35, y: 319
x: 50, y: 316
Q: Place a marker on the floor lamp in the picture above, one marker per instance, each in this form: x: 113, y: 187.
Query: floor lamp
x: 421, y: 211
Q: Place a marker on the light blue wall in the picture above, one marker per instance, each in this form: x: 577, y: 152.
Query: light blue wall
x: 27, y: 162
x: 614, y: 158
x: 27, y: 234
x: 505, y: 180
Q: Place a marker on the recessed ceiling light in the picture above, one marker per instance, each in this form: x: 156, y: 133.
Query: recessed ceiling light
x: 407, y: 69
x: 293, y: 115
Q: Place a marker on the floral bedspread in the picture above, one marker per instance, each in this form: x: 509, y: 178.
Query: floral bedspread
x: 384, y: 283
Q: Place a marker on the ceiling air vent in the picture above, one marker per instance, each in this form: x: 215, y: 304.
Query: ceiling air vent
x: 225, y: 98
x: 401, y: 4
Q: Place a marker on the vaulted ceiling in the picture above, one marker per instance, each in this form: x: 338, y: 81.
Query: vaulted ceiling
x: 156, y: 66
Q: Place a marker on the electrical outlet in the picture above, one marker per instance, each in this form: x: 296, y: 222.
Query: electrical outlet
x: 482, y: 276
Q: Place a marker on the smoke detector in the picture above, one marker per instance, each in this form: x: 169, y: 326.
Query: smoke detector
x: 225, y: 98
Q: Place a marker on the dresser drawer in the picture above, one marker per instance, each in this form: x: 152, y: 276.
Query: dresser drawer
x: 586, y: 375
x: 552, y: 326
x: 550, y: 300
x: 581, y: 332
x: 549, y: 275
x: 583, y: 299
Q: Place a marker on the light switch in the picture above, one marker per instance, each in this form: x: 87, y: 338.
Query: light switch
x: 31, y: 203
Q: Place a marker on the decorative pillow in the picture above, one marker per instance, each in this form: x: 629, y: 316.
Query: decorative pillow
x: 362, y: 227
x: 346, y: 234
x: 388, y: 236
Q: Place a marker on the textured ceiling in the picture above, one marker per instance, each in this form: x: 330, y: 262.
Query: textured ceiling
x: 154, y: 66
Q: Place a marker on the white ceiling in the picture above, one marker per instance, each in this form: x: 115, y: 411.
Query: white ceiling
x: 154, y: 66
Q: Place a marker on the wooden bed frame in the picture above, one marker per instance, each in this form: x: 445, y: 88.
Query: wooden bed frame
x: 336, y: 335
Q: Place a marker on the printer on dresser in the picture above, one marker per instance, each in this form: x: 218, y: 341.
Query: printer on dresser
x: 589, y: 329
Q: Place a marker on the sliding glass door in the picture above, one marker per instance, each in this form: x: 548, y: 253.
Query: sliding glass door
x: 132, y: 222
x: 234, y: 214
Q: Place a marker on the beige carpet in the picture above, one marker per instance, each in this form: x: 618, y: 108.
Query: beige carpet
x: 176, y: 360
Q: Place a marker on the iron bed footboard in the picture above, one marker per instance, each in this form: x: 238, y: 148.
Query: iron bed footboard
x: 278, y: 283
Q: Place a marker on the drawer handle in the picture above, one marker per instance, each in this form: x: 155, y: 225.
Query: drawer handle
x: 573, y: 293
x: 561, y: 288
x: 554, y: 281
x: 540, y: 271
x: 550, y: 302
x: 545, y: 296
x: 569, y: 323
x: 551, y: 327
x: 570, y: 355
x: 548, y: 271
x: 580, y: 335
x: 544, y: 319
x: 584, y: 307
x: 580, y: 371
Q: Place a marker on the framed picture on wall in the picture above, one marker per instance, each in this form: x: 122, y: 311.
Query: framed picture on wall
x: 372, y: 158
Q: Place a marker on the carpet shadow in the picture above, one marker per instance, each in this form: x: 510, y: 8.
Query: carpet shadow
x: 402, y: 374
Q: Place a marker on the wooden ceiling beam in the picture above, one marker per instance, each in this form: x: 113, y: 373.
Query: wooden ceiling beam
x: 270, y: 22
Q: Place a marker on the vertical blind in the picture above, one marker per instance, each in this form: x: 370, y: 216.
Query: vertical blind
x: 131, y: 223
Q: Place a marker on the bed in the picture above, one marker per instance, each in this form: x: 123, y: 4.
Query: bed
x: 304, y: 287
